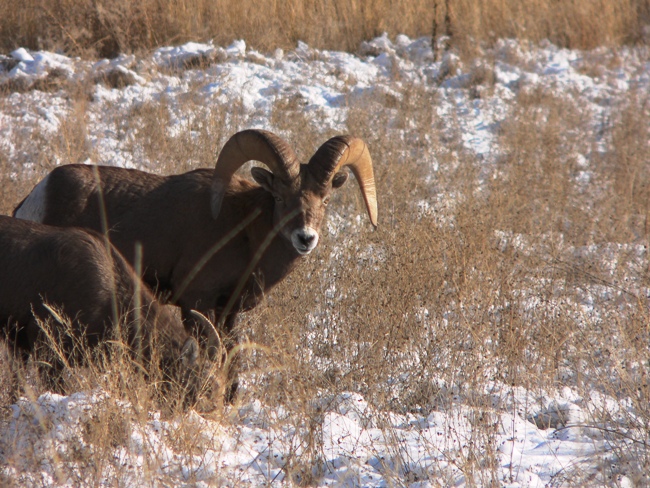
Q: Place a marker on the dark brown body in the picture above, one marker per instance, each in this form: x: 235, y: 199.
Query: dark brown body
x: 73, y: 271
x: 170, y: 217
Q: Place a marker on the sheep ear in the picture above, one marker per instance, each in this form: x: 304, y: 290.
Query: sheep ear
x: 339, y: 179
x: 190, y: 352
x: 263, y: 177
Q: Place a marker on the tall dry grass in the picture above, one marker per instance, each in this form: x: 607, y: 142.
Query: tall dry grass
x: 106, y: 28
x: 446, y: 299
x: 125, y: 391
x: 575, y: 24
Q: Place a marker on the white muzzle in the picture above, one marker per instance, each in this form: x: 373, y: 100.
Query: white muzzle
x: 304, y: 240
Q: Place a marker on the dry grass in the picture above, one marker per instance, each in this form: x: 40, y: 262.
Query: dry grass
x: 575, y: 24
x: 63, y: 362
x: 491, y: 290
x: 123, y: 391
x: 106, y: 28
x: 483, y: 284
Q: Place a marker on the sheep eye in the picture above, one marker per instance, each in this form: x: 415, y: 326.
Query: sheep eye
x: 277, y: 198
x: 326, y: 200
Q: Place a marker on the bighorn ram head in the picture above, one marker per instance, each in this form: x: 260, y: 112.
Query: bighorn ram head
x: 301, y: 191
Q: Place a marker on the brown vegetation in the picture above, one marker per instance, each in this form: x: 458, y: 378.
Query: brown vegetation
x: 105, y: 28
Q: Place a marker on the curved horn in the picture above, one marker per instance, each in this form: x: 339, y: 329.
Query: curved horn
x: 349, y: 151
x: 247, y: 145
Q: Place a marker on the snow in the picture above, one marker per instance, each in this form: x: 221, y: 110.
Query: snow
x: 39, y: 64
x: 539, y: 435
x: 360, y: 446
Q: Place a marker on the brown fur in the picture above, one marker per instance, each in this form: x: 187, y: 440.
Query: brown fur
x: 73, y: 271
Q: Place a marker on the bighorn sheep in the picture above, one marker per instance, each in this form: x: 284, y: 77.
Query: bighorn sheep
x: 78, y: 273
x: 213, y: 241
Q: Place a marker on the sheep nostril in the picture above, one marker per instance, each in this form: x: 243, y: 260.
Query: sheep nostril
x: 306, y: 239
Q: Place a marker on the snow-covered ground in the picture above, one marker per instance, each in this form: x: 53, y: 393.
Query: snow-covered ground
x: 358, y: 445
